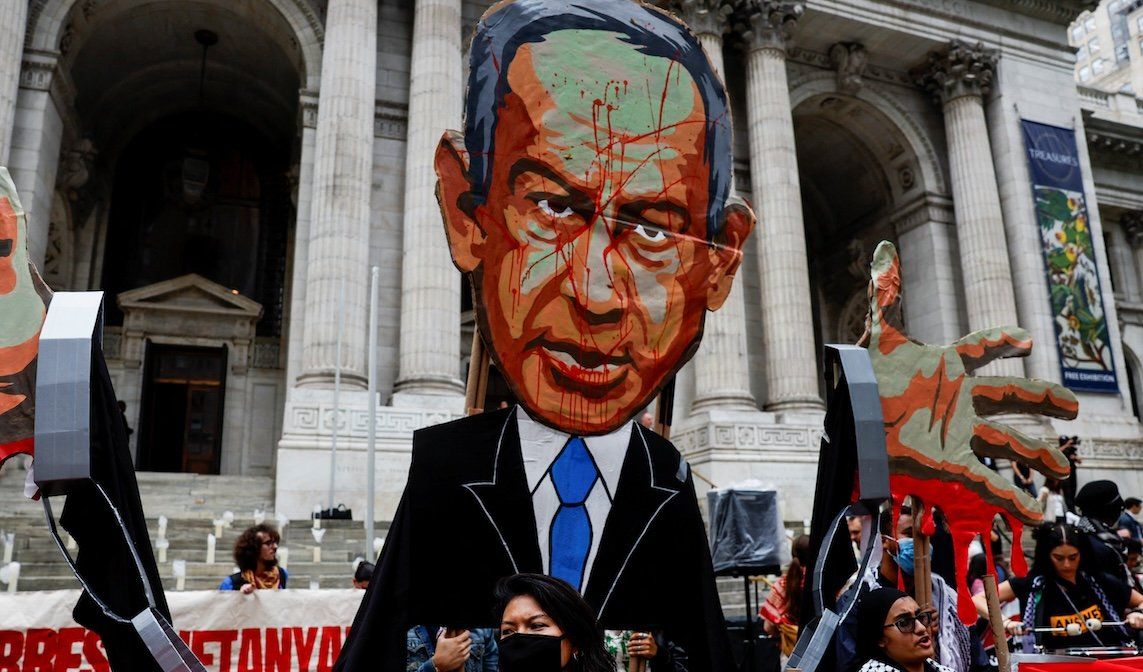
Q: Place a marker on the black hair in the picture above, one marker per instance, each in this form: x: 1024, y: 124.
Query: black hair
x: 977, y: 568
x: 507, y: 27
x: 1132, y: 545
x: 1131, y: 501
x: 567, y: 609
x: 247, y: 548
x: 364, y: 572
x: 1053, y: 535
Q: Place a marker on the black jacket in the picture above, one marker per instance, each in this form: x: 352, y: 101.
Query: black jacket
x: 466, y: 520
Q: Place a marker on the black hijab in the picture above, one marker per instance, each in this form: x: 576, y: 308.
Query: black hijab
x: 871, y: 613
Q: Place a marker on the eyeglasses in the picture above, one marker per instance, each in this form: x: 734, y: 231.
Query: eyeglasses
x: 269, y: 542
x: 907, y: 623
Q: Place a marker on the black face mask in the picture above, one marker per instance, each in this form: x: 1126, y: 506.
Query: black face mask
x: 530, y: 653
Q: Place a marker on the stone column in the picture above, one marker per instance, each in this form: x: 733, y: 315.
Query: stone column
x: 13, y: 16
x: 958, y: 79
x: 1131, y: 224
x: 721, y: 370
x: 342, y: 183
x: 1121, y: 241
x: 430, y: 284
x: 788, y: 327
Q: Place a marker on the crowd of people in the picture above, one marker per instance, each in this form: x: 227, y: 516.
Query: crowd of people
x: 1083, y: 589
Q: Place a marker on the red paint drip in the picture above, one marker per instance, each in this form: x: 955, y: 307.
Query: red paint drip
x: 968, y: 516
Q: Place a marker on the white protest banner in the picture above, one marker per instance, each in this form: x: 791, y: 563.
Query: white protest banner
x: 268, y: 631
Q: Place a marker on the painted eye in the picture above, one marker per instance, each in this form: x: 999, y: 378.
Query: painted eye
x: 653, y: 235
x: 556, y: 209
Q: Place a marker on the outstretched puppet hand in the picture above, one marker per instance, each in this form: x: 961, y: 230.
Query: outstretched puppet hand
x: 936, y: 412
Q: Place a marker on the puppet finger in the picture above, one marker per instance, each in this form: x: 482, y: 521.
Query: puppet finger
x: 981, y: 347
x: 993, y: 395
x: 1002, y: 493
x: 992, y: 439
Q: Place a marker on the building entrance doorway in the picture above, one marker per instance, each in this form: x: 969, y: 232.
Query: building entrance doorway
x: 181, y: 415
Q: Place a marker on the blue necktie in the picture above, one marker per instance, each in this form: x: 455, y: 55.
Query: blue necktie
x: 573, y: 475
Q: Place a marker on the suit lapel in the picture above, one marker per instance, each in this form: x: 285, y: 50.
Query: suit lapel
x: 639, y: 498
x: 506, y: 501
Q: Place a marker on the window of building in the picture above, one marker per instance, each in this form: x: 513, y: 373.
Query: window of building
x: 1085, y: 74
x: 1089, y: 24
x: 1114, y: 6
x: 1082, y: 53
x: 1077, y: 33
x: 1097, y: 66
x: 1121, y: 53
x: 1093, y: 45
x: 1139, y: 22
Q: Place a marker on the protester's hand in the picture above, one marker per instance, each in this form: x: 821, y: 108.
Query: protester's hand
x: 935, y: 412
x: 1135, y: 620
x: 452, y: 652
x: 1013, y: 627
x: 247, y: 588
x: 643, y: 645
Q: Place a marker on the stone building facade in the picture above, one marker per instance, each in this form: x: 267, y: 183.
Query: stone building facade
x: 229, y: 171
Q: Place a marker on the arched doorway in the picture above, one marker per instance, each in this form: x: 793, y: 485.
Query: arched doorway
x: 188, y: 116
x: 867, y: 175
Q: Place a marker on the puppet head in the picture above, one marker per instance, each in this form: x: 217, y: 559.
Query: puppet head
x: 589, y: 200
x: 23, y: 305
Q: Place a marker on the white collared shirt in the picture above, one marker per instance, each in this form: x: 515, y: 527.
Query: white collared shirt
x: 540, y: 445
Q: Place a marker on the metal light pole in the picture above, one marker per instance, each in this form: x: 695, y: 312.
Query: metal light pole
x: 371, y: 451
x: 337, y: 387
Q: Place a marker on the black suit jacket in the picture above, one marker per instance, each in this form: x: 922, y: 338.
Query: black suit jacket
x: 466, y: 520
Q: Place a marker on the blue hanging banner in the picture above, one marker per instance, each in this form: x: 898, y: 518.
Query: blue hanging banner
x: 1069, y: 258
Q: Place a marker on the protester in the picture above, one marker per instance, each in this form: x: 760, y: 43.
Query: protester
x: 1062, y: 589
x: 1134, y: 550
x: 953, y: 642
x: 781, y: 610
x: 894, y: 634
x: 1100, y: 505
x: 1069, y: 446
x: 363, y: 575
x: 1022, y: 477
x: 1052, y: 500
x: 256, y: 554
x: 545, y: 626
x: 431, y: 648
x: 1127, y: 520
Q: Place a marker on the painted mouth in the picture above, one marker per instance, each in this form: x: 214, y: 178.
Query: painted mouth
x: 575, y: 356
x: 589, y: 373
x: 6, y: 247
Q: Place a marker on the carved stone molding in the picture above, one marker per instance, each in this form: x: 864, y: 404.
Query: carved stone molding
x: 961, y: 70
x: 1132, y: 223
x: 705, y: 17
x: 390, y: 120
x: 37, y: 70
x: 766, y: 24
x: 850, y: 60
x: 309, y: 108
x: 393, y: 424
x: 927, y: 208
x: 1114, y: 144
x: 746, y: 436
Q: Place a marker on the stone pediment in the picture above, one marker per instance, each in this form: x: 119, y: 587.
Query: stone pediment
x: 190, y: 293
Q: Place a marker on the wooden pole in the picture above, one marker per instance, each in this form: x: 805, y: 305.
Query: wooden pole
x: 665, y: 409
x: 996, y: 620
x: 477, y: 384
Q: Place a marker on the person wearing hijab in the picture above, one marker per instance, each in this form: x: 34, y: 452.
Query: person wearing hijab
x: 893, y: 634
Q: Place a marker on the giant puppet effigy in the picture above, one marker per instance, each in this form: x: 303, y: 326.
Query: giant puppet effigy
x: 589, y: 201
x: 937, y: 422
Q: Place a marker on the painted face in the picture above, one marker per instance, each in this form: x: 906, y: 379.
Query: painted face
x: 593, y: 271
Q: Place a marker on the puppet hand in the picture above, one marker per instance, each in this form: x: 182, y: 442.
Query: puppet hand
x: 935, y: 412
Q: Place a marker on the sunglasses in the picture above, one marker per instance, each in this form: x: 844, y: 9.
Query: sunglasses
x: 907, y: 623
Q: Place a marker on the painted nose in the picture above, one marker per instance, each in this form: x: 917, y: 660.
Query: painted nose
x: 592, y: 282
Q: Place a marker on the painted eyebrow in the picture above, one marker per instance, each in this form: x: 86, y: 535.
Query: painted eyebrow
x: 530, y: 165
x: 641, y: 205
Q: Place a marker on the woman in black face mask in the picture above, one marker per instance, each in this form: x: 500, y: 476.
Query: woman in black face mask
x: 545, y: 626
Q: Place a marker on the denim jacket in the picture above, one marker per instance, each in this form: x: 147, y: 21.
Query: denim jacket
x: 422, y: 645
